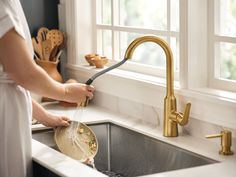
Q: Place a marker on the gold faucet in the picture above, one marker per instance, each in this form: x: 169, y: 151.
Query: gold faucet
x: 85, y: 103
x: 171, y: 117
x: 226, y: 141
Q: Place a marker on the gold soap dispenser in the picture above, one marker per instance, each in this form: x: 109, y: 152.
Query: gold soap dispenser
x: 226, y: 142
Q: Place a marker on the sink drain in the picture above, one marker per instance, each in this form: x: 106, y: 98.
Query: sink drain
x: 112, y: 174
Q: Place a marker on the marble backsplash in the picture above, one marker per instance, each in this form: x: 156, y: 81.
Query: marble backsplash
x: 154, y: 116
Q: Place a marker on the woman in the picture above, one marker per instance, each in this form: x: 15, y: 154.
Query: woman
x: 19, y: 73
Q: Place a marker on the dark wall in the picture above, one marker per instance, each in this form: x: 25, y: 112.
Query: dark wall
x: 40, y: 13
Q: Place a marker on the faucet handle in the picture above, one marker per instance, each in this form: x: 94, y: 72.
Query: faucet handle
x: 226, y: 141
x: 182, y: 118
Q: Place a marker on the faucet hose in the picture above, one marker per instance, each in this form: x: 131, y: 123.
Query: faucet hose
x: 91, y: 79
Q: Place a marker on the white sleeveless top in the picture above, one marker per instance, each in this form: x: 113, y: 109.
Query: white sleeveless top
x: 15, y: 103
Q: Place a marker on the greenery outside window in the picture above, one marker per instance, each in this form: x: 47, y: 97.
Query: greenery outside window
x: 222, y: 41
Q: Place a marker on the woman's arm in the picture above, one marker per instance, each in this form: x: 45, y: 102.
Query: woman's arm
x: 47, y: 118
x: 18, y: 63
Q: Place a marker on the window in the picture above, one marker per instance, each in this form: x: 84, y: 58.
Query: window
x: 223, y: 43
x: 191, y: 26
x: 119, y: 22
x: 201, y: 35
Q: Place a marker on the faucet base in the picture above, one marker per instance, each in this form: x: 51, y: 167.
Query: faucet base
x: 170, y: 125
x: 170, y: 129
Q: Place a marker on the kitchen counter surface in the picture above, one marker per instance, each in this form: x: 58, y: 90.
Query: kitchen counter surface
x: 65, y: 166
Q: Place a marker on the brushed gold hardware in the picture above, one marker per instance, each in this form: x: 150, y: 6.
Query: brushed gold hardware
x: 226, y: 141
x: 171, y: 117
x: 85, y: 103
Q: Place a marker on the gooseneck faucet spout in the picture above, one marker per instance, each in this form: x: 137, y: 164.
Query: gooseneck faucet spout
x: 171, y: 117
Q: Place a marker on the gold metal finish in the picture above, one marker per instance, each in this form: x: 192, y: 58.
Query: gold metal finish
x: 171, y: 117
x: 226, y: 141
x: 85, y: 103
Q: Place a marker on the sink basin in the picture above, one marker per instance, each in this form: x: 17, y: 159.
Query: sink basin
x: 128, y: 153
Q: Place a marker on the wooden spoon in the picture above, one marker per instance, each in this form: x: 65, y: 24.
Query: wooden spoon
x: 37, y: 48
x: 64, y: 42
x: 56, y: 36
x: 42, y: 33
x: 47, y: 47
x: 53, y: 53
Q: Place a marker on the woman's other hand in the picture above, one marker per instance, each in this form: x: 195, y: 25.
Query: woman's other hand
x: 52, y: 120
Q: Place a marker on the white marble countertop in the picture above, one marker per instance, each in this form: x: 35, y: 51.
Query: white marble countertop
x: 65, y: 166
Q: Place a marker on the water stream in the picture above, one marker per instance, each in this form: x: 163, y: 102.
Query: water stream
x: 93, y: 164
x: 75, y: 126
x: 78, y: 114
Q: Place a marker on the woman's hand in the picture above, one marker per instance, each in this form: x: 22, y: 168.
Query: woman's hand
x: 52, y: 120
x: 47, y: 118
x: 77, y: 92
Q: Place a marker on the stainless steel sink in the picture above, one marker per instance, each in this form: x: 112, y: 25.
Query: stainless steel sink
x: 128, y: 153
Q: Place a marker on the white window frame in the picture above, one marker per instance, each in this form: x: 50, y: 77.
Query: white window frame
x: 115, y: 28
x: 214, y: 80
x: 209, y: 105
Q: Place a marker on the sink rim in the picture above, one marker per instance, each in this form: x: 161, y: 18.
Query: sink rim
x: 156, y: 139
x: 110, y: 122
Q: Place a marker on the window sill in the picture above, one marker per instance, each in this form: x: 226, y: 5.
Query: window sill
x: 210, y: 105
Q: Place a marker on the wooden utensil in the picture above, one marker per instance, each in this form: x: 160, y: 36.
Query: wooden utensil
x: 47, y: 47
x: 53, y: 53
x: 56, y: 36
x: 64, y: 42
x: 61, y: 47
x: 36, y: 56
x: 37, y: 48
x: 42, y: 34
x: 58, y: 55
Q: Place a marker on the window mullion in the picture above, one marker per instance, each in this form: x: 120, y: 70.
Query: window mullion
x: 197, y: 44
x: 140, y: 30
x: 168, y: 20
x: 224, y: 39
x: 98, y: 20
x: 211, y: 55
x: 98, y: 14
x: 183, y: 44
x: 115, y: 34
x: 94, y: 25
